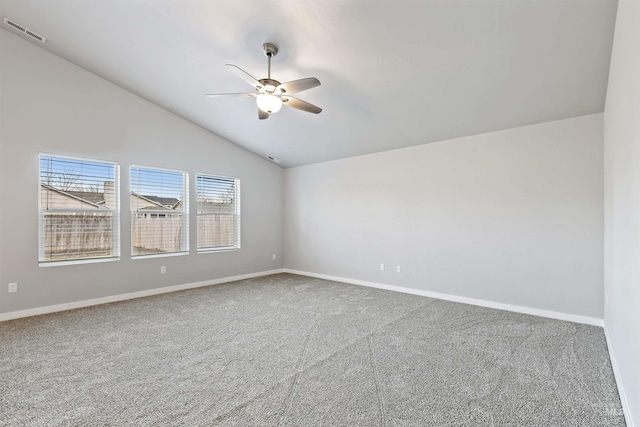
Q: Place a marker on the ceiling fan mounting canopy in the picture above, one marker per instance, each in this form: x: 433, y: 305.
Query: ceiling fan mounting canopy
x: 270, y: 49
x: 270, y: 94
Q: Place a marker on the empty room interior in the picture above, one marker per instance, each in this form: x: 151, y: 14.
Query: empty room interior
x: 354, y: 213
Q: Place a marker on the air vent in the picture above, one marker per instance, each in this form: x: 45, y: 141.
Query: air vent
x: 27, y: 32
x: 273, y: 159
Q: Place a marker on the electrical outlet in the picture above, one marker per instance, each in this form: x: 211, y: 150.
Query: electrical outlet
x: 398, y: 269
x: 163, y: 269
x: 381, y: 267
x: 274, y: 257
x: 13, y: 287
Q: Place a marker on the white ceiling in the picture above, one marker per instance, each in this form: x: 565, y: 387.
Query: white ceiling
x: 393, y: 73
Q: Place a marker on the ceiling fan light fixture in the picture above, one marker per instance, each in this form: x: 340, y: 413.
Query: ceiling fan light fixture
x: 270, y: 94
x: 269, y: 103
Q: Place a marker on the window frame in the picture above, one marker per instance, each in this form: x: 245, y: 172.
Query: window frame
x: 115, y: 214
x: 236, y: 214
x: 184, y: 213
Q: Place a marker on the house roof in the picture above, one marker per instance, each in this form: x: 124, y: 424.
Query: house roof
x: 171, y: 203
x: 90, y: 196
x: 394, y: 73
x: 74, y: 195
x: 96, y: 199
x: 166, y: 201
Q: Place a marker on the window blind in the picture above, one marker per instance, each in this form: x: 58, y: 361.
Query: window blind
x: 78, y: 209
x: 218, y: 212
x: 159, y: 211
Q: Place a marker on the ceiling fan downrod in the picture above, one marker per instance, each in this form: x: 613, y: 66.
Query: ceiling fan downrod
x: 270, y: 50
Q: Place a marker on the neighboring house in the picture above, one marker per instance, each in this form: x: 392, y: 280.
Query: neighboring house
x: 168, y: 202
x: 89, y: 215
x: 54, y: 198
x: 154, y: 204
x: 156, y: 223
x: 77, y: 222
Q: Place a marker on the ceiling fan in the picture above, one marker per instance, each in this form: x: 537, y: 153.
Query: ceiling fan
x: 270, y: 94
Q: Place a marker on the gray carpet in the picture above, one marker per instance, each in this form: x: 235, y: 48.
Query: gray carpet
x: 290, y: 350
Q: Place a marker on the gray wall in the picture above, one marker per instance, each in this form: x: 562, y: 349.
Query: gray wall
x: 513, y: 217
x: 622, y: 205
x: 50, y: 105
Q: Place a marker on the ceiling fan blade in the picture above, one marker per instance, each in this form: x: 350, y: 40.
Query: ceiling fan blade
x: 213, y: 95
x: 246, y: 76
x: 292, y: 102
x: 295, y: 86
x: 262, y: 115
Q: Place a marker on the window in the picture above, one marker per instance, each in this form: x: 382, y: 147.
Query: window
x: 159, y: 211
x: 78, y: 209
x: 218, y: 213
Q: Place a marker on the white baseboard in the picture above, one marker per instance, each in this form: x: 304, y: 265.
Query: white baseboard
x: 122, y: 297
x: 616, y: 373
x: 482, y: 303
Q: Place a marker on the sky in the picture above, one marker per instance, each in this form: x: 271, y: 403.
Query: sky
x: 70, y: 174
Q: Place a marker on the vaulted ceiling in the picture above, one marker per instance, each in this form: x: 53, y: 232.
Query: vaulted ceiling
x: 394, y: 73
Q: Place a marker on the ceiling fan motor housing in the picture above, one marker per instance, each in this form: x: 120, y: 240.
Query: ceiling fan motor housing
x: 270, y: 85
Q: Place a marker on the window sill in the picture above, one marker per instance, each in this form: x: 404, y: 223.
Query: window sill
x: 214, y: 250
x: 159, y: 255
x: 77, y: 261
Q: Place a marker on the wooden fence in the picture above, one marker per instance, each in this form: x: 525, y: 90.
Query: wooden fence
x: 215, y: 231
x: 87, y: 236
x: 77, y: 236
x: 157, y: 234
